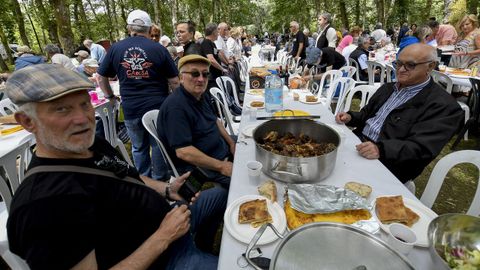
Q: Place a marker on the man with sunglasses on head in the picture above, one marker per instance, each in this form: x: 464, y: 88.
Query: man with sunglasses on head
x: 189, y: 128
x: 406, y: 124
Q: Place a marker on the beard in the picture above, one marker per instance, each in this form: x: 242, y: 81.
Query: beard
x: 50, y: 140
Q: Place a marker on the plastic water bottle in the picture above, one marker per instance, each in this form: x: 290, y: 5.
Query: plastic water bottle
x: 273, y: 92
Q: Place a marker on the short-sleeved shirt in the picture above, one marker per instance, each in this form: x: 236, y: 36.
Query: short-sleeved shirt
x: 299, y: 38
x: 330, y: 57
x: 143, y: 68
x: 97, y: 52
x: 446, y: 33
x: 56, y: 219
x: 222, y: 46
x: 209, y: 47
x: 62, y: 59
x: 191, y: 48
x: 185, y: 121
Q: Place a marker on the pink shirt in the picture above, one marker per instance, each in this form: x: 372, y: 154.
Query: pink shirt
x: 446, y: 35
x: 346, y: 40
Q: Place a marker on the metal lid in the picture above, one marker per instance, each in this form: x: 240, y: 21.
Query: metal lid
x: 335, y: 246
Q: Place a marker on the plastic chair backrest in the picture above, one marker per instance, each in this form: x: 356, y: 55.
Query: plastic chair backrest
x: 348, y: 71
x: 149, y: 121
x: 371, y: 67
x: 14, y: 173
x: 390, y: 72
x: 7, y: 104
x: 345, y: 85
x: 332, y: 75
x: 366, y: 90
x: 475, y: 98
x: 352, y: 62
x: 223, y: 83
x: 442, y: 79
x: 440, y: 172
x: 221, y: 102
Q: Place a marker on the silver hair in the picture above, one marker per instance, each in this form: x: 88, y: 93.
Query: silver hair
x: 363, y: 39
x: 52, y: 49
x: 30, y: 109
x: 327, y: 16
x: 141, y: 29
x: 88, y: 43
x: 295, y: 24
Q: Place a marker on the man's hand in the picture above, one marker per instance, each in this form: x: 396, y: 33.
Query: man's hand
x: 175, y: 186
x: 175, y: 224
x: 343, y: 118
x: 368, y: 150
x: 226, y: 169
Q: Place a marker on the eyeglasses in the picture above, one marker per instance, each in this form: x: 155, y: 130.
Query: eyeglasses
x: 196, y: 74
x: 410, y: 65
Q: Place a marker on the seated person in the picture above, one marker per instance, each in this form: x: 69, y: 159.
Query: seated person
x: 190, y: 130
x: 360, y: 55
x: 95, y: 211
x: 88, y: 68
x: 331, y: 59
x: 406, y: 124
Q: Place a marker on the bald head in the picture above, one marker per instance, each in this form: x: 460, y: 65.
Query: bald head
x: 415, y: 63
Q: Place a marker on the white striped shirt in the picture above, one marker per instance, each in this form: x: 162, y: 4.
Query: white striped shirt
x: 398, y: 97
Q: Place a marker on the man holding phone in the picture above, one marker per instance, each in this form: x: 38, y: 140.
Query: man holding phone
x: 192, y: 134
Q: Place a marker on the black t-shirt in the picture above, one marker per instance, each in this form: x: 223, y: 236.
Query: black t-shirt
x: 56, y: 219
x: 209, y: 47
x: 299, y: 38
x: 330, y: 57
x: 191, y: 48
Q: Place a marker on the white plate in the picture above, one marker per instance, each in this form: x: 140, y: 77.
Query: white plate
x: 302, y: 99
x: 256, y: 92
x: 248, y: 130
x: 420, y: 227
x: 249, y: 106
x: 245, y: 232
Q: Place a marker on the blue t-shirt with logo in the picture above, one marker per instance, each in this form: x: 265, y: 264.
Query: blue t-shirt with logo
x: 143, y: 68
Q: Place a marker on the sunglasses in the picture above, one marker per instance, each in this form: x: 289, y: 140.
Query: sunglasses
x: 196, y: 74
x: 410, y: 65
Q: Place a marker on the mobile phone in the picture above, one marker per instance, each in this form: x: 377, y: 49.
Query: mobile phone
x: 192, y: 185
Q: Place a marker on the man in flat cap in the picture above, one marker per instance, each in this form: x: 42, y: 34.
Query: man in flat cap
x: 189, y: 127
x: 81, y: 206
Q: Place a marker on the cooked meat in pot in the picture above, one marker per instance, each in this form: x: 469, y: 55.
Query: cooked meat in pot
x: 293, y: 146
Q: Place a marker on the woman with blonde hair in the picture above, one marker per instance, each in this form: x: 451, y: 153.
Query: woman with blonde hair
x: 467, y: 49
x: 234, y: 43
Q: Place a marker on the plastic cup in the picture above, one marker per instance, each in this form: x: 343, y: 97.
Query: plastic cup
x: 253, y: 114
x: 254, y: 171
x: 401, y: 238
x: 93, y: 96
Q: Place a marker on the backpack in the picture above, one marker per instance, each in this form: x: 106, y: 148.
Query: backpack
x: 313, y: 55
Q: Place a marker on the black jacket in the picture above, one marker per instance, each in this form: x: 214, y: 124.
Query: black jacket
x: 414, y: 133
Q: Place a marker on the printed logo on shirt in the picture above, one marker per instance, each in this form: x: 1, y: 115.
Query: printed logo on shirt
x: 136, y: 63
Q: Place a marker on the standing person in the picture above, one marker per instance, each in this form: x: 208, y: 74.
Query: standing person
x: 327, y: 36
x: 467, y: 49
x: 185, y: 32
x: 56, y: 57
x: 97, y: 51
x: 210, y: 51
x: 444, y: 34
x: 406, y: 124
x: 95, y: 211
x: 155, y: 33
x: 300, y: 41
x: 26, y: 57
x: 221, y: 43
x: 146, y: 74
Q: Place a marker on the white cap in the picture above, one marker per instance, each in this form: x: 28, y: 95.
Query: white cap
x: 166, y: 39
x: 90, y: 62
x: 139, y: 17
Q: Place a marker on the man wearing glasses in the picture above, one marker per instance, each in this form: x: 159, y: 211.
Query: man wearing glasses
x: 406, y: 124
x: 189, y: 128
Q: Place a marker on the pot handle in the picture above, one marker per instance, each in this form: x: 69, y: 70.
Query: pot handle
x: 255, y: 239
x: 274, y: 170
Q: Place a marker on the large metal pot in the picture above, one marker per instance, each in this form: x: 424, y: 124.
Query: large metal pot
x: 297, y: 169
x: 330, y: 246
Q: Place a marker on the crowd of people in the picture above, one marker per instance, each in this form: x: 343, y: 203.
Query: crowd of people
x: 103, y: 213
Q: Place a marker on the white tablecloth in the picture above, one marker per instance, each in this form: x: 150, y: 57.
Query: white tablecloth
x: 349, y: 167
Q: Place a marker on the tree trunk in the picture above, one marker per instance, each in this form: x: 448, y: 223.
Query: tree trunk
x: 109, y: 19
x: 47, y: 22
x: 34, y: 29
x: 173, y: 10
x: 447, y: 12
x: 115, y: 19
x: 4, y: 40
x: 21, y: 23
x: 123, y: 13
x: 428, y: 7
x: 357, y: 12
x: 62, y: 15
x: 472, y: 6
x: 3, y: 65
x: 81, y: 20
x: 343, y: 13
x: 380, y: 11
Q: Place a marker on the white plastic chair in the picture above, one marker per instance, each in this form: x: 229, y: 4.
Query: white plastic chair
x: 14, y: 176
x: 367, y: 92
x: 107, y: 112
x: 331, y: 75
x: 440, y: 172
x: 352, y: 62
x: 225, y: 113
x: 149, y: 121
x: 389, y: 69
x: 349, y: 70
x: 7, y: 104
x: 444, y: 79
x: 372, y: 67
x: 223, y: 82
x: 345, y: 84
